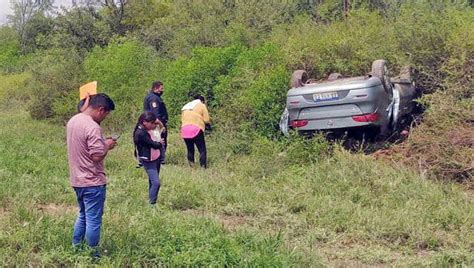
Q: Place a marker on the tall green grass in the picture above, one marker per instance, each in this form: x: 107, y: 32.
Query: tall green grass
x: 257, y: 207
x: 12, y: 90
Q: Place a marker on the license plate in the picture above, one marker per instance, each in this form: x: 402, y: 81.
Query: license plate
x: 327, y: 96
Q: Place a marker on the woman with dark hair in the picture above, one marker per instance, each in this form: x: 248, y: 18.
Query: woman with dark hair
x: 147, y: 151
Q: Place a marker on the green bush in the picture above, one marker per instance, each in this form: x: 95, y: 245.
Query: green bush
x: 266, y: 98
x: 78, y: 28
x: 180, y: 26
x: 347, y: 47
x: 252, y: 96
x: 12, y: 89
x: 422, y: 35
x: 122, y: 63
x: 197, y: 74
x: 55, y: 73
x: 417, y: 35
x: 9, y: 50
x: 124, y: 70
x: 299, y: 150
x: 460, y: 46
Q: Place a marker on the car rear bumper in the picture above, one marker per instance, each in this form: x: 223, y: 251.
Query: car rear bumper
x: 331, y: 117
x: 335, y: 123
x: 340, y: 113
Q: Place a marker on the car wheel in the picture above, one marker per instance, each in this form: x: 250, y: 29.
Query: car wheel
x: 380, y: 70
x: 299, y: 78
x: 406, y: 73
x: 334, y: 76
x: 407, y: 76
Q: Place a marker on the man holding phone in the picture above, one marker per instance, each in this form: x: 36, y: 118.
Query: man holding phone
x: 87, y: 149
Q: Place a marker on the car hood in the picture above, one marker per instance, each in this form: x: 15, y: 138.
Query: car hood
x: 336, y: 85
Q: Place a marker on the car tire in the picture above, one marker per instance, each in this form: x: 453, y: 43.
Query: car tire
x: 299, y: 78
x: 406, y: 73
x: 380, y: 70
x: 407, y: 76
x: 334, y: 76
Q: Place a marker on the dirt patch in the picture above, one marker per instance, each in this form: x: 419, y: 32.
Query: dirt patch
x: 232, y: 223
x: 56, y: 210
x: 347, y: 256
x: 4, y: 215
x: 229, y: 222
x: 198, y: 213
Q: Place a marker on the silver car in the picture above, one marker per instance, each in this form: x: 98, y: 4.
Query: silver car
x: 374, y: 101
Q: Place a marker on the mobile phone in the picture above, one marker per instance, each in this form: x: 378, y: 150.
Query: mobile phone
x: 115, y: 137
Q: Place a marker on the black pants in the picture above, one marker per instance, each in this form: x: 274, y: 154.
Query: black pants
x: 164, y: 136
x: 201, y: 145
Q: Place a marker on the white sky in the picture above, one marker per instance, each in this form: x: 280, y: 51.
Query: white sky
x: 5, y: 8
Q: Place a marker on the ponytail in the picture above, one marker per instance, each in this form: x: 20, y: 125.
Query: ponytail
x: 144, y: 117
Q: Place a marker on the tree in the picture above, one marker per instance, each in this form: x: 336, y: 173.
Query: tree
x: 141, y: 14
x: 82, y: 28
x: 110, y: 11
x: 24, y: 11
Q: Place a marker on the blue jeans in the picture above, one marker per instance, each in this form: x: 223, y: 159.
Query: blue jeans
x: 152, y: 168
x: 91, y: 207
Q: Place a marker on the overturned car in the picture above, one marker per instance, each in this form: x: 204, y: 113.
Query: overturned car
x: 375, y: 102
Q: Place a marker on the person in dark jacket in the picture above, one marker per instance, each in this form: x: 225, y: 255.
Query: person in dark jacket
x: 154, y: 103
x: 147, y: 151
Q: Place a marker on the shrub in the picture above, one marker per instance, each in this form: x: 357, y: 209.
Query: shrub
x: 13, y: 88
x: 421, y: 34
x: 197, y: 74
x: 55, y: 72
x: 251, y: 97
x: 347, y: 47
x: 460, y: 45
x: 123, y: 62
x: 124, y: 70
x: 265, y: 99
x: 9, y: 50
x: 299, y: 150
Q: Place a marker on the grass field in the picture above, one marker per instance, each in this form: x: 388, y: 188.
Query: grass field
x: 255, y: 209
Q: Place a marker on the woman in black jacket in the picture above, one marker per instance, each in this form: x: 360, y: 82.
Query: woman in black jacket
x: 147, y: 151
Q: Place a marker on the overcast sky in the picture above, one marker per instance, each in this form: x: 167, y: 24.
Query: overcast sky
x: 6, y: 10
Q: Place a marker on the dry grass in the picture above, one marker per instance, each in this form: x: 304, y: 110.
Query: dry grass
x: 441, y: 146
x: 56, y: 210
